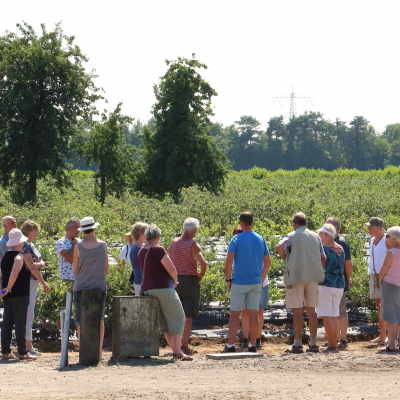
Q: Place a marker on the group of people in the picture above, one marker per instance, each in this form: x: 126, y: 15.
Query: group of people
x: 318, y: 272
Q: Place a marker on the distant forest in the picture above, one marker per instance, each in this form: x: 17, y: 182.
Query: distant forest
x: 307, y: 141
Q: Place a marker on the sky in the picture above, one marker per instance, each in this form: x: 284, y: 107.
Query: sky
x: 342, y: 56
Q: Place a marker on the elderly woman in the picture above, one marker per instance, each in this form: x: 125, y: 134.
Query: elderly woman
x: 330, y: 291
x: 159, y: 280
x: 90, y: 267
x: 186, y: 254
x: 15, y: 279
x: 390, y: 276
x: 33, y: 260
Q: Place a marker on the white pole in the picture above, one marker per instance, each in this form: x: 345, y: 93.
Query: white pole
x: 65, y: 325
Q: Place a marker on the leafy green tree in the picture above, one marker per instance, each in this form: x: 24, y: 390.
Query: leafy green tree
x: 44, y: 91
x: 111, y: 156
x: 276, y: 133
x: 179, y: 151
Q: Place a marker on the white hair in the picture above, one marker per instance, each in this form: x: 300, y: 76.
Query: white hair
x: 191, y: 224
x: 394, y: 231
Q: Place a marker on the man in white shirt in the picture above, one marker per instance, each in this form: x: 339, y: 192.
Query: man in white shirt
x: 377, y: 256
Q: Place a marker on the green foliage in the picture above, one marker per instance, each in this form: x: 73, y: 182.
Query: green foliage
x: 44, y: 90
x: 179, y: 152
x: 353, y: 196
x: 111, y: 157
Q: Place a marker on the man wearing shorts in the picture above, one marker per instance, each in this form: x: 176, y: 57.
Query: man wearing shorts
x: 250, y: 255
x: 377, y: 256
x: 304, y: 256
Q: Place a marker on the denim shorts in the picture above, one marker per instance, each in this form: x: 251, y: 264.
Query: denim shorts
x: 245, y: 297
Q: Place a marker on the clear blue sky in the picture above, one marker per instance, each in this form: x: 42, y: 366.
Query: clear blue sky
x: 344, y: 55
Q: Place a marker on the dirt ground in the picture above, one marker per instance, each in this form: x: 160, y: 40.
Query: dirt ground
x: 361, y: 372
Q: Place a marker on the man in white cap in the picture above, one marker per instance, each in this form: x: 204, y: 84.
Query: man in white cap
x: 15, y: 282
x: 377, y: 254
x: 9, y: 222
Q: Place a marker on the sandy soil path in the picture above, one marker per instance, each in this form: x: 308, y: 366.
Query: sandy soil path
x: 359, y: 373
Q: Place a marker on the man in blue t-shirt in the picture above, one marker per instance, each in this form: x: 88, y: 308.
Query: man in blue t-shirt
x: 249, y: 254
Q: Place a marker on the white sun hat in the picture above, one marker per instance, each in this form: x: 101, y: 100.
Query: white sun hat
x: 88, y: 223
x: 15, y: 237
x: 329, y: 229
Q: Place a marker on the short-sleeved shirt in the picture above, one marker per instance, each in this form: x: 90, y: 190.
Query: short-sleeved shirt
x: 249, y: 249
x: 30, y: 248
x: 134, y: 260
x: 286, y: 242
x: 124, y: 253
x: 334, y: 269
x: 347, y: 257
x: 393, y: 274
x: 65, y: 267
x: 155, y: 276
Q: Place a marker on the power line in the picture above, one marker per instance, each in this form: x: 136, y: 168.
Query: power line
x: 292, y: 106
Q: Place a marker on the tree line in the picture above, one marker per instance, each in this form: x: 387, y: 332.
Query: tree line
x: 49, y: 123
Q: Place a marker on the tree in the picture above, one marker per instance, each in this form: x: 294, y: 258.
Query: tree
x: 44, y: 91
x: 179, y: 151
x: 111, y: 156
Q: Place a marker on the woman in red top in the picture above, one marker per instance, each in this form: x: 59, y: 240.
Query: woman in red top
x: 159, y: 279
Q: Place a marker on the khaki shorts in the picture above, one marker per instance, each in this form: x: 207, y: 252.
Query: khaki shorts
x: 374, y: 292
x: 302, y: 295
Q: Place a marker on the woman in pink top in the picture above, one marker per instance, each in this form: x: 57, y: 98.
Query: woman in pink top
x: 390, y: 276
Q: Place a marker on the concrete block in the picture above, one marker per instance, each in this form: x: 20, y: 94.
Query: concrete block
x: 91, y: 312
x: 135, y: 326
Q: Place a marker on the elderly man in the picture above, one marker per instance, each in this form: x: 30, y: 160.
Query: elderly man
x: 378, y: 250
x: 186, y: 254
x: 65, y: 249
x: 250, y: 254
x: 9, y: 223
x: 304, y: 256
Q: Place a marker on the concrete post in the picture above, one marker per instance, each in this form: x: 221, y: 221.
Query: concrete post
x: 135, y: 326
x: 91, y: 310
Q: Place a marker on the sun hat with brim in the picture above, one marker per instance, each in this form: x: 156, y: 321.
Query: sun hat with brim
x: 327, y: 228
x: 394, y: 232
x: 88, y: 223
x: 15, y: 238
x: 375, y: 221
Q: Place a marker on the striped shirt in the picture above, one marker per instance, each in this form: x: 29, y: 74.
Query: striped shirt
x: 182, y: 257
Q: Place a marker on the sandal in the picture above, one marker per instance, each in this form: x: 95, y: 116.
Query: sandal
x: 26, y: 357
x: 313, y: 349
x: 182, y: 357
x: 7, y: 357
